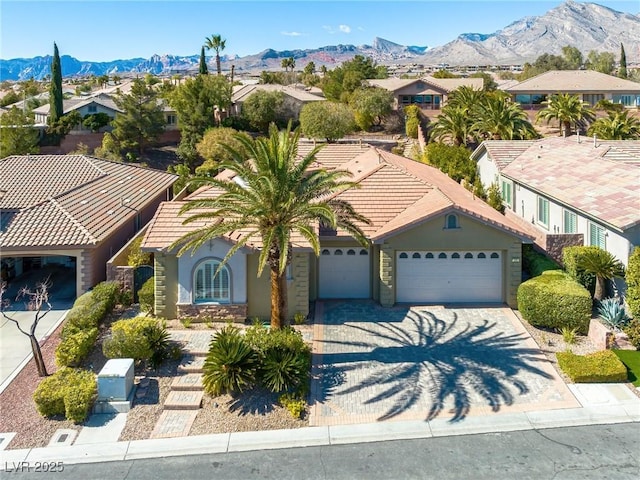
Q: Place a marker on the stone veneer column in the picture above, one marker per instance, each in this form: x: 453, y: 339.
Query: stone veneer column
x: 84, y: 272
x: 300, y: 270
x: 514, y: 273
x: 160, y: 298
x: 387, y: 294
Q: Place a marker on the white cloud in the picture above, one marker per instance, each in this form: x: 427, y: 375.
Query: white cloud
x: 345, y: 28
x: 341, y: 29
x: 292, y: 34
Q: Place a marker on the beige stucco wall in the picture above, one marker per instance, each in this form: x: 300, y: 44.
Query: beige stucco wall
x: 431, y: 235
x: 259, y: 288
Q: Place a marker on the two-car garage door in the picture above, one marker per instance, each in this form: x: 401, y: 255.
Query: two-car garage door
x: 440, y: 277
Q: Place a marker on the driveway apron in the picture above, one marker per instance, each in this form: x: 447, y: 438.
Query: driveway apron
x: 372, y: 363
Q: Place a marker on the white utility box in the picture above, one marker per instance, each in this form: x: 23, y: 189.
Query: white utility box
x: 115, y: 380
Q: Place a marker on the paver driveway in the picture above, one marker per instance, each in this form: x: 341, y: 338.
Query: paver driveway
x: 373, y: 363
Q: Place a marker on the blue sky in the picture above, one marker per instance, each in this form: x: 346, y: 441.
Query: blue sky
x: 99, y: 30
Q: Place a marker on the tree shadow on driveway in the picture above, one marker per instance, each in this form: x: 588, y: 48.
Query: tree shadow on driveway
x: 429, y: 358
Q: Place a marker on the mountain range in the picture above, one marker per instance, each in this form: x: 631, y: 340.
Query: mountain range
x: 587, y: 26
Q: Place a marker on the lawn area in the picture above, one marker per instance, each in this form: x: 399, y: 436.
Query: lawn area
x: 631, y: 358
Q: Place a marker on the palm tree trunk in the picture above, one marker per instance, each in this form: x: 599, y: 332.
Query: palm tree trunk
x: 218, y: 64
x: 278, y: 298
x: 566, y: 128
x: 600, y: 288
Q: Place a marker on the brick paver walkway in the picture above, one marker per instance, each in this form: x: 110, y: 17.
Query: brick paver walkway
x: 373, y: 363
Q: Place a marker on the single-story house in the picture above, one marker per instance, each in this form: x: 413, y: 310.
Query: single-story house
x: 589, y: 85
x: 294, y: 97
x: 430, y: 241
x: 101, y: 103
x: 428, y: 93
x: 573, y: 190
x: 74, y: 210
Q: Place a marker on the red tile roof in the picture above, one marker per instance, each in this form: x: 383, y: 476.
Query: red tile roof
x: 394, y: 192
x: 71, y: 200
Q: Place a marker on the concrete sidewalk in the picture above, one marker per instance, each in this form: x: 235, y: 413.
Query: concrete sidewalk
x: 600, y: 404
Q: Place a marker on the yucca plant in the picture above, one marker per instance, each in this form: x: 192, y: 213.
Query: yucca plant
x: 283, y: 369
x: 612, y: 313
x: 231, y: 363
x: 158, y: 339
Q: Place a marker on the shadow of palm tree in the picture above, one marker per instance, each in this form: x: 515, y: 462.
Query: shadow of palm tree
x: 255, y: 401
x: 439, y: 359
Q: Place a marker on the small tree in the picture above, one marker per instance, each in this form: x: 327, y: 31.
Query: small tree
x: 328, y: 120
x: 263, y: 108
x: 203, y: 70
x: 494, y: 198
x: 622, y: 73
x: 56, y: 109
x: 17, y: 134
x: 604, y: 266
x: 37, y: 301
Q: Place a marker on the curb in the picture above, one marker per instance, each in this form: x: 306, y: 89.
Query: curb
x: 321, y: 436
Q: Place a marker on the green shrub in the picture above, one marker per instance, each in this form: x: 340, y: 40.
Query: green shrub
x: 535, y: 262
x: 106, y: 292
x: 84, y: 299
x: 136, y: 256
x: 554, y: 300
x: 293, y: 403
x: 633, y: 332
x: 412, y: 126
x: 140, y: 338
x: 146, y: 295
x: 125, y: 297
x: 599, y: 367
x: 231, y: 363
x: 67, y: 392
x: 285, y: 358
x: 84, y: 317
x: 571, y: 257
x: 632, y: 277
x: 75, y: 347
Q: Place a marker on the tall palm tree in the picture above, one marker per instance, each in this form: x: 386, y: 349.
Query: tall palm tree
x: 466, y: 97
x: 454, y: 124
x: 217, y: 43
x: 617, y: 126
x: 568, y: 109
x: 604, y: 266
x: 278, y: 196
x: 499, y: 118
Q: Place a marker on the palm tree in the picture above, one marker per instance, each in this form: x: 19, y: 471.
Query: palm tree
x: 501, y: 119
x: 617, y: 126
x: 568, y: 109
x: 277, y: 196
x: 604, y: 266
x: 454, y: 123
x: 217, y: 43
x: 466, y: 97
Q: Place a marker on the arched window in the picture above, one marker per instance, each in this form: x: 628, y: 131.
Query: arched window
x: 455, y: 255
x: 495, y: 255
x: 351, y: 251
x: 482, y: 255
x: 326, y: 252
x: 442, y: 255
x: 363, y: 252
x: 404, y: 255
x: 468, y: 255
x: 338, y: 252
x: 416, y: 255
x: 211, y: 284
x: 429, y: 255
x: 452, y: 221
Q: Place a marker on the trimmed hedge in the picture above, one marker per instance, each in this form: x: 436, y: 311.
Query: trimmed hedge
x: 632, y: 277
x: 146, y: 295
x: 632, y: 330
x: 140, y: 338
x: 67, y: 392
x: 80, y: 329
x: 535, y: 262
x: 598, y: 367
x: 571, y: 256
x: 555, y: 300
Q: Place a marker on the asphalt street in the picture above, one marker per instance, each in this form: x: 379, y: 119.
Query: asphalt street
x: 574, y: 453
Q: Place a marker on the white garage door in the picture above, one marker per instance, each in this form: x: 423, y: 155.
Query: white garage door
x: 449, y: 277
x: 344, y: 273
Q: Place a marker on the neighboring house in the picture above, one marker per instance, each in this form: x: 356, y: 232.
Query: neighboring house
x: 294, y: 98
x: 428, y: 93
x: 101, y: 103
x: 75, y: 210
x: 572, y: 190
x: 431, y: 241
x: 589, y: 85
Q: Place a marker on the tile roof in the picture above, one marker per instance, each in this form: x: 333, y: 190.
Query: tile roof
x: 242, y: 93
x: 71, y: 200
x: 595, y: 180
x: 76, y: 103
x: 568, y: 81
x: 503, y: 152
x: 394, y: 192
x: 447, y: 84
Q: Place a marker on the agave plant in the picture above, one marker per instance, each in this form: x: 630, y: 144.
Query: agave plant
x: 613, y: 313
x: 231, y: 363
x: 284, y: 369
